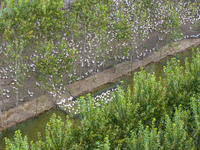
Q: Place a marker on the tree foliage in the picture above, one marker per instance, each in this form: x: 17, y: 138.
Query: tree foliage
x: 32, y: 46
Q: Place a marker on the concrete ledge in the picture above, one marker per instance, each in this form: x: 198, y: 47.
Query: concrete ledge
x: 111, y: 75
x: 33, y: 108
x: 25, y: 111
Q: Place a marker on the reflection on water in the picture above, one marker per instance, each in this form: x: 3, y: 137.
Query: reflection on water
x: 32, y: 126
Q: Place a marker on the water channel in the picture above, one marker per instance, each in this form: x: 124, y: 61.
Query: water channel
x: 37, y: 124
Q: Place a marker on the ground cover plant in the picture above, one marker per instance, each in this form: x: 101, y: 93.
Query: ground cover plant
x: 156, y: 114
x: 47, y: 45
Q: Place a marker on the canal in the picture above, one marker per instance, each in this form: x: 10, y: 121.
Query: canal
x: 37, y: 124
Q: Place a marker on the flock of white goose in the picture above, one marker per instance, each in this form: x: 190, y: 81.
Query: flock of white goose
x: 99, y: 51
x: 72, y: 107
x: 88, y: 56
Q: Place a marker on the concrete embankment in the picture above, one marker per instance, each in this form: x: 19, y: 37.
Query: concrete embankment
x: 33, y: 108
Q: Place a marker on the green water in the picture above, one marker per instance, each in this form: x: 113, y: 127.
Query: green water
x: 157, y: 67
x: 32, y: 126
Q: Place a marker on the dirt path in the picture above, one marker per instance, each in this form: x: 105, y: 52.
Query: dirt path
x: 33, y: 108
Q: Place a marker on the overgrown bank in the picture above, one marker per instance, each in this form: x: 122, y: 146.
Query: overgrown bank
x: 45, y: 47
x: 156, y: 114
x: 41, y: 104
x: 42, y: 44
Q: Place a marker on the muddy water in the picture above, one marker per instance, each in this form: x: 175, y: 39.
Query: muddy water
x: 37, y: 124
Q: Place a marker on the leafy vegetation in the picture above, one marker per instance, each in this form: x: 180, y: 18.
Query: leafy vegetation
x: 32, y: 46
x: 41, y: 40
x: 156, y: 114
x: 91, y: 34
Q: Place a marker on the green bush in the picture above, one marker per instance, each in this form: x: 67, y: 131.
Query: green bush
x: 161, y: 114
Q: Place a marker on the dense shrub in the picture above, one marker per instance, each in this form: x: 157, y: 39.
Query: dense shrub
x: 155, y: 114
